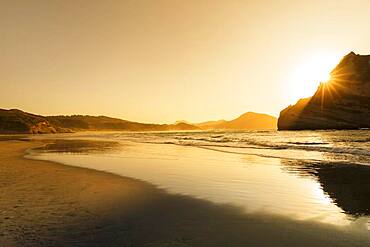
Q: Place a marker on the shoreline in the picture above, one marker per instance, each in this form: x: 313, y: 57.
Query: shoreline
x: 46, y: 203
x: 51, y: 192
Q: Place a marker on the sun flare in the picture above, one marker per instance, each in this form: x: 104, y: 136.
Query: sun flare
x: 309, y: 73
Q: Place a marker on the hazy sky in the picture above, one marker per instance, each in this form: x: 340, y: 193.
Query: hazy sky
x: 162, y: 61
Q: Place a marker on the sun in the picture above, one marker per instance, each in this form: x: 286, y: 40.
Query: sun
x: 309, y: 73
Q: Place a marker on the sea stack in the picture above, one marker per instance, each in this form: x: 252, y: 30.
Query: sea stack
x: 343, y: 102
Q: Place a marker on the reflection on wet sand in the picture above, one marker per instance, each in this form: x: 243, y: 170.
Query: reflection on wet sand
x: 52, y: 205
x: 14, y: 138
x: 252, y: 182
x: 79, y: 146
x: 348, y: 185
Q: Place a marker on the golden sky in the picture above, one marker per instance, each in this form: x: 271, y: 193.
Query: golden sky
x: 166, y: 60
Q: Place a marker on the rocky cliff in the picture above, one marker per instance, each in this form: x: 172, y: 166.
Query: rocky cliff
x: 341, y: 103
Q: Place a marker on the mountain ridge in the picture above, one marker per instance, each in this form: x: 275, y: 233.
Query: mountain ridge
x: 15, y: 121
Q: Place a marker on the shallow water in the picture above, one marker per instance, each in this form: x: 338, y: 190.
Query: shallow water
x: 312, y: 175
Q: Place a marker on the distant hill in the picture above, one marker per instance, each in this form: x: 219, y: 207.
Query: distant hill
x: 341, y: 103
x: 81, y: 122
x: 19, y: 122
x: 16, y: 121
x: 210, y: 124
x: 247, y: 121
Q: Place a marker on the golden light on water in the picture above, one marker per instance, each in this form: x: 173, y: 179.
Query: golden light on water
x: 319, y: 194
x: 309, y: 73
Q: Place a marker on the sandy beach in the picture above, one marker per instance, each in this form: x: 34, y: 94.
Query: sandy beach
x: 47, y: 204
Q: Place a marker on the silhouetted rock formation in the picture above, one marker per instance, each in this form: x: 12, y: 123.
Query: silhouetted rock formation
x: 341, y: 103
x: 247, y: 121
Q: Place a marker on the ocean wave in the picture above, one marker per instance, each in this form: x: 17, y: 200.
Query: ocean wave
x: 309, y: 143
x: 352, y: 145
x: 257, y: 145
x: 340, y: 162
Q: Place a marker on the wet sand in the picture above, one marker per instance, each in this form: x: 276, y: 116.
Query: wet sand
x: 47, y: 204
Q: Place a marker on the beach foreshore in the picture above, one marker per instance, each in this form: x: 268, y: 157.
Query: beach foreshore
x: 48, y: 204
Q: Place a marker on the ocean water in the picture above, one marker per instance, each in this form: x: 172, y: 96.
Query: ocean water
x: 347, y: 146
x: 321, y: 176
